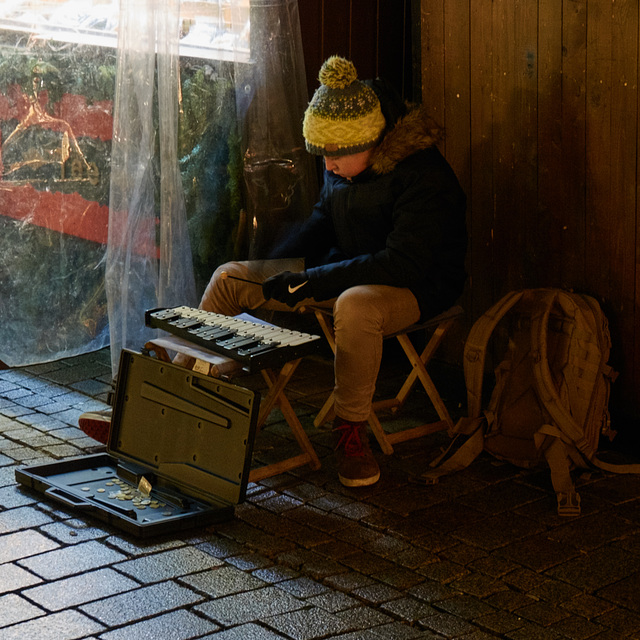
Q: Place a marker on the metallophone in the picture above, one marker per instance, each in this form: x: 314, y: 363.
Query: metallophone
x: 256, y: 345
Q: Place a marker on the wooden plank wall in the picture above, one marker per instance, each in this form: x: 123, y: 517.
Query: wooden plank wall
x: 376, y: 34
x: 539, y: 99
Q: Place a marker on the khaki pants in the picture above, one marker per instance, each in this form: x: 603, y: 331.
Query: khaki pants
x: 362, y: 315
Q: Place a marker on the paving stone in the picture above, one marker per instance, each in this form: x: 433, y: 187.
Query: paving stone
x: 539, y: 552
x: 62, y: 451
x: 500, y: 622
x: 318, y: 519
x: 625, y: 593
x: 249, y: 561
x: 308, y: 623
x: 348, y: 582
x: 625, y: 622
x: 509, y: 600
x: 364, y: 617
x: 501, y: 497
x: 13, y: 578
x: 132, y: 606
x: 279, y: 503
x: 377, y: 593
x: 356, y: 511
x: 14, y: 608
x: 275, y: 574
x: 249, y: 631
x: 587, y: 606
x: 177, y: 625
x: 249, y: 606
x: 443, y: 571
x: 136, y: 548
x: 399, y: 631
x: 69, y: 625
x: 168, y: 564
x: 365, y: 634
x: 72, y: 560
x: 302, y: 587
x: 333, y: 601
x: 554, y: 591
x: 15, y: 546
x: 22, y: 518
x: 497, y: 531
x: 13, y: 497
x: 577, y: 628
x: 71, y: 592
x: 408, y: 609
x: 447, y: 624
x: 530, y: 631
x: 592, y: 531
x: 222, y: 582
x: 398, y: 577
x: 73, y: 531
x: 600, y: 568
x: 477, y: 584
x: 466, y: 607
x: 524, y: 579
x: 542, y: 613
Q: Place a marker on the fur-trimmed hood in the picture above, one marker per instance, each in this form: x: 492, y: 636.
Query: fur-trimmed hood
x: 412, y: 133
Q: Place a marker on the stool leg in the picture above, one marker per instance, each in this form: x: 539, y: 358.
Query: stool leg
x: 420, y: 371
x: 428, y: 352
x: 292, y: 420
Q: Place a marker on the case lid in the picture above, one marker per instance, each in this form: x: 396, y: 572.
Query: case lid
x: 192, y: 432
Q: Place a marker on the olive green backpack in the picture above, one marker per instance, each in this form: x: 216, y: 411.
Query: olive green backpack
x: 550, y: 400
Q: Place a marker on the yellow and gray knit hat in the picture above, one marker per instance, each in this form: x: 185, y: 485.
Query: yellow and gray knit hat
x: 344, y: 115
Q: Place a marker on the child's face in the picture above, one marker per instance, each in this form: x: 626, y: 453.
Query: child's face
x: 350, y: 165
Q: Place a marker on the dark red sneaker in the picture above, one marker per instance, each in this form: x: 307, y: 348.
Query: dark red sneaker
x: 356, y: 465
x: 96, y: 424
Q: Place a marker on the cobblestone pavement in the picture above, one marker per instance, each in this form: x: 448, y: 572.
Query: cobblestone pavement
x: 480, y: 555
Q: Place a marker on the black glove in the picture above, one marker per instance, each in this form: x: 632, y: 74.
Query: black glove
x: 287, y: 287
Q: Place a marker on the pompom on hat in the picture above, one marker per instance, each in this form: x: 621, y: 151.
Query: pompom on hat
x: 344, y: 115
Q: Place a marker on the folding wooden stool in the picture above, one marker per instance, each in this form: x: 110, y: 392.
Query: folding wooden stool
x: 438, y: 326
x: 207, y: 362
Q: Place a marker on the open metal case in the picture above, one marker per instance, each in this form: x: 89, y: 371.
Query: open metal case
x: 178, y: 454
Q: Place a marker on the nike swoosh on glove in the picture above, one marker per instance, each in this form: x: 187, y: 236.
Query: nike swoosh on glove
x: 288, y: 287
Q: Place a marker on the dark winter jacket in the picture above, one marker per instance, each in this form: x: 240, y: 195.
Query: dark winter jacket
x: 399, y: 223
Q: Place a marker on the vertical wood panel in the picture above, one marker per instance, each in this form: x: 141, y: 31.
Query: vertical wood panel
x: 375, y: 34
x: 391, y: 52
x: 312, y: 30
x: 553, y: 151
x: 554, y: 225
x: 336, y: 20
x: 573, y: 187
x: 432, y: 42
x: 480, y: 196
x: 622, y: 212
x: 364, y: 38
x: 515, y: 142
x: 598, y: 237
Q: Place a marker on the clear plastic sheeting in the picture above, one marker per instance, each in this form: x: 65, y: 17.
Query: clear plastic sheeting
x: 279, y: 175
x: 54, y: 187
x: 130, y: 172
x: 148, y: 256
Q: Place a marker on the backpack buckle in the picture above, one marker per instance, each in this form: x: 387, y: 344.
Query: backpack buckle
x: 568, y: 503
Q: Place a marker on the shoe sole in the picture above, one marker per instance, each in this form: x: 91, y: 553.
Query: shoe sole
x: 358, y: 482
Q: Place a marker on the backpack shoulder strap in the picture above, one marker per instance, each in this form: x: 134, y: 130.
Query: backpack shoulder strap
x: 546, y: 388
x: 475, y: 349
x: 468, y: 433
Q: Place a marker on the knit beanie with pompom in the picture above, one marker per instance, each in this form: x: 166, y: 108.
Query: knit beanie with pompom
x: 344, y: 115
